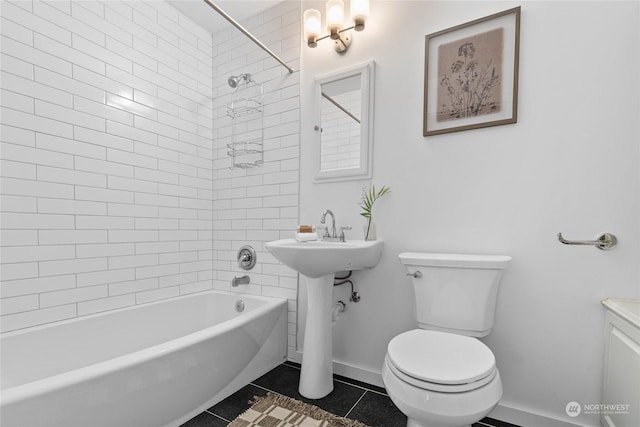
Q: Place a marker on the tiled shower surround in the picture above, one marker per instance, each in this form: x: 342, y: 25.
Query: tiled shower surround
x: 254, y: 206
x: 116, y: 187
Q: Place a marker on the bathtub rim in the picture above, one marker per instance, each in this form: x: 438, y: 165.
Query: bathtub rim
x: 17, y: 393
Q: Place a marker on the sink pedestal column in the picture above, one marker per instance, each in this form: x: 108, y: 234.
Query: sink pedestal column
x: 316, y: 375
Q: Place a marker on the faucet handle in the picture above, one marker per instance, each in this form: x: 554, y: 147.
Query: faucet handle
x: 325, y: 228
x: 341, y: 235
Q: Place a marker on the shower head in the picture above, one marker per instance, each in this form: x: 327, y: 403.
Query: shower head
x: 234, y: 81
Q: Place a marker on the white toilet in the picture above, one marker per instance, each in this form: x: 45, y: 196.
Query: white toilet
x: 439, y: 374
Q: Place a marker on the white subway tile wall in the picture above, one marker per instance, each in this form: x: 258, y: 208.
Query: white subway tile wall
x: 257, y: 205
x: 107, y: 158
x: 116, y: 188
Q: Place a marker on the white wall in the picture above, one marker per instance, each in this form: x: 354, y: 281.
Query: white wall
x: 106, y: 158
x: 569, y: 165
x: 257, y: 205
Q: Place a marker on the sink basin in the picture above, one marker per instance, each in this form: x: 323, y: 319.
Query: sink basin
x: 317, y: 262
x: 319, y: 258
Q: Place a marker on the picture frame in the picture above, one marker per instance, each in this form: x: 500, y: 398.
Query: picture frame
x: 471, y: 74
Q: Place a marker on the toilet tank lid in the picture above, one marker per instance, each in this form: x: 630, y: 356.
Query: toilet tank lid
x: 454, y: 260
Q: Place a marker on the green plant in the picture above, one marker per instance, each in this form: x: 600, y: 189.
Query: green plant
x: 368, y: 198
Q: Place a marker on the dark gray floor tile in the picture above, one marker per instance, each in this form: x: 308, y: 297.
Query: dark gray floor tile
x: 294, y: 364
x: 373, y: 408
x: 205, y: 419
x: 237, y: 403
x: 497, y: 423
x: 346, y: 379
x: 377, y: 410
x: 284, y: 380
x: 361, y: 384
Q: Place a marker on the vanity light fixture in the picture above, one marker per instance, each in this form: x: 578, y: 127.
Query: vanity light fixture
x: 334, y: 23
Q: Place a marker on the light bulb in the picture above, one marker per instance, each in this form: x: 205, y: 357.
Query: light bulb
x: 335, y: 17
x: 312, y: 26
x: 359, y: 13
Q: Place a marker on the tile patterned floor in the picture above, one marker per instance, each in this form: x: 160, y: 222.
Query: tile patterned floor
x: 350, y: 398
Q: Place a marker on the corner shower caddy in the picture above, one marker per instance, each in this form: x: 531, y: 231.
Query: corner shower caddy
x: 246, y: 112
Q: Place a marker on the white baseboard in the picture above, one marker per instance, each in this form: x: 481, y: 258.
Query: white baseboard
x: 502, y: 412
x: 347, y: 370
x: 521, y: 417
x: 358, y: 373
x: 294, y: 356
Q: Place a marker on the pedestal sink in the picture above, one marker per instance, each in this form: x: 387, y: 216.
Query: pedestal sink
x: 318, y: 261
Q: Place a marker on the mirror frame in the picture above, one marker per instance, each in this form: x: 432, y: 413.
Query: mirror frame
x: 367, y: 72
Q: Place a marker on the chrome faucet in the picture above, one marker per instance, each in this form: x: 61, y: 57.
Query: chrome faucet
x: 333, y: 223
x: 332, y: 235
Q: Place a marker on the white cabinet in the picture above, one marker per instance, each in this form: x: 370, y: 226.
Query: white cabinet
x: 621, y: 393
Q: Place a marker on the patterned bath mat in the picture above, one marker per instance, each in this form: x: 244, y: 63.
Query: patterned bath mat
x: 274, y: 410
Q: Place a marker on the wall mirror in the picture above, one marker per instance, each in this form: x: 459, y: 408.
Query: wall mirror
x: 343, y: 102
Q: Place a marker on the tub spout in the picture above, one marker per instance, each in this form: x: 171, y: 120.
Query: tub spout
x: 244, y: 280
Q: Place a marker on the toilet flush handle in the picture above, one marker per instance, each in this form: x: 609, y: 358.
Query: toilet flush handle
x: 416, y: 275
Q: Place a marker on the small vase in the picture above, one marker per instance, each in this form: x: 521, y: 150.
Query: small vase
x: 369, y: 230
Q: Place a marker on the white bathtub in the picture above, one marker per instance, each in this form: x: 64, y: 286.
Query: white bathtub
x: 156, y: 364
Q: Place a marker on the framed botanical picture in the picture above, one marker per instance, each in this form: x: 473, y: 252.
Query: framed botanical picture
x: 471, y: 74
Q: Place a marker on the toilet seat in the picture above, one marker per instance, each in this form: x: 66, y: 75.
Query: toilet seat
x: 440, y: 361
x: 441, y: 388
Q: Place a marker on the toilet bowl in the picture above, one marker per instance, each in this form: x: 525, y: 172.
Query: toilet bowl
x: 441, y: 375
x: 441, y: 379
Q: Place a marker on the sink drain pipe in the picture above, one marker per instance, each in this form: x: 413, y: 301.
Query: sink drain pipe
x: 355, y: 296
x: 338, y: 308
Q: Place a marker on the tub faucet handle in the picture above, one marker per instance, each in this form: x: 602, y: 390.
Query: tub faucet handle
x: 246, y: 257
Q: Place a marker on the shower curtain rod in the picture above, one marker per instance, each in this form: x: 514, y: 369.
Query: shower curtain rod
x: 344, y: 110
x: 247, y: 33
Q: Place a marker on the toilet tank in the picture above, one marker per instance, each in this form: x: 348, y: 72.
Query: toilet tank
x: 455, y: 292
